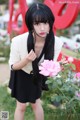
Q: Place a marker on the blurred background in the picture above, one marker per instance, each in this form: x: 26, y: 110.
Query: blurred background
x: 70, y: 36
x: 71, y: 47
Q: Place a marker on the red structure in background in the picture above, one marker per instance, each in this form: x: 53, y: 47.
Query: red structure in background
x: 65, y: 12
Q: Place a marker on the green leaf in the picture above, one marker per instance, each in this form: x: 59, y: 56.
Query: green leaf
x: 73, y: 66
x: 48, y: 81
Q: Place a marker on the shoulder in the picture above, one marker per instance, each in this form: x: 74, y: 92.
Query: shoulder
x: 20, y: 38
x: 58, y: 47
x: 58, y: 42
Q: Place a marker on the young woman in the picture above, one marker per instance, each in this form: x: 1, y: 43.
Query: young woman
x: 27, y: 52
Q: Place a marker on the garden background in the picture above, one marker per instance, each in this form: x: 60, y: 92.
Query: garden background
x: 51, y: 111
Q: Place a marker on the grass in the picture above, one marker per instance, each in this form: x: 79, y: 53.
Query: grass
x: 8, y: 104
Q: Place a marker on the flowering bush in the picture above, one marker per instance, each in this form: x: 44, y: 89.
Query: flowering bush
x: 63, y: 83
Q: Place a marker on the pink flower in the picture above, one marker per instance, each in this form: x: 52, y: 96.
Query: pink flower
x: 77, y: 94
x: 49, y: 68
x: 76, y: 45
x: 70, y: 59
x: 77, y: 75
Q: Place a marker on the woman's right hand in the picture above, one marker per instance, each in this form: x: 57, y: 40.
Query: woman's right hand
x: 31, y: 56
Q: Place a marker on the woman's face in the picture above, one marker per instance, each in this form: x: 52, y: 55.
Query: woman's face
x: 42, y: 29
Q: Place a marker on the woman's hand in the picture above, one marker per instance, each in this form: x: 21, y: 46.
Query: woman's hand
x: 31, y: 56
x: 63, y: 61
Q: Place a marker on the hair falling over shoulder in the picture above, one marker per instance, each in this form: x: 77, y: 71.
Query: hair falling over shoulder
x: 37, y: 13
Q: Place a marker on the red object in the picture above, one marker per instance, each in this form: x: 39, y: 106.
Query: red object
x: 65, y: 12
x: 75, y: 61
x: 12, y: 25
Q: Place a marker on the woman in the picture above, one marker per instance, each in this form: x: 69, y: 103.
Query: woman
x: 27, y: 52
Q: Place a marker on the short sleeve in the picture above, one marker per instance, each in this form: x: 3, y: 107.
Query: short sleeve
x: 58, y: 47
x: 14, y: 52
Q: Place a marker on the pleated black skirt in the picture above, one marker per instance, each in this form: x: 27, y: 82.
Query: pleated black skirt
x: 23, y: 87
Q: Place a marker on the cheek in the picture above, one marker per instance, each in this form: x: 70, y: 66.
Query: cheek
x: 48, y: 27
x: 35, y: 28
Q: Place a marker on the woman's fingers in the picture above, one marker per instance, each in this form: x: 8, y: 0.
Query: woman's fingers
x: 31, y: 56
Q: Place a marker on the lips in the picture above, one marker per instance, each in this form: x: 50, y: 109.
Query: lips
x: 42, y: 33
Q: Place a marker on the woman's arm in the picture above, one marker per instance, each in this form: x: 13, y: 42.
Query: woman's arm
x: 29, y: 58
x: 58, y: 47
x: 15, y: 61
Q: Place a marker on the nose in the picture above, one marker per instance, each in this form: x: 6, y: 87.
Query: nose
x: 42, y: 27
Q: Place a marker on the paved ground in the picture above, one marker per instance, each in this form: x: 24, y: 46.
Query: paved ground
x: 4, y: 73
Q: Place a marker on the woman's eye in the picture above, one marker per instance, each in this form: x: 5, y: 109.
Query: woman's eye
x: 46, y: 23
x: 36, y: 23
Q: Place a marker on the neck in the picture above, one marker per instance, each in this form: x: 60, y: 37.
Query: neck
x: 37, y: 38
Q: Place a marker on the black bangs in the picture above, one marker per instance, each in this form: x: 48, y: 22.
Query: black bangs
x: 38, y: 13
x: 40, y: 17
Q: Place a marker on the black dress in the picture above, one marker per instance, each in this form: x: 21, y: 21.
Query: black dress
x: 23, y: 87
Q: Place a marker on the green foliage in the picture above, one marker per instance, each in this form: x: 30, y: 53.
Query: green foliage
x: 62, y: 89
x: 4, y: 50
x: 64, y: 32
x: 3, y: 1
x: 74, y: 54
x: 8, y: 104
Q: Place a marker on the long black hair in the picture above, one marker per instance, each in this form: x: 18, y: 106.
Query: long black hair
x: 40, y: 13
